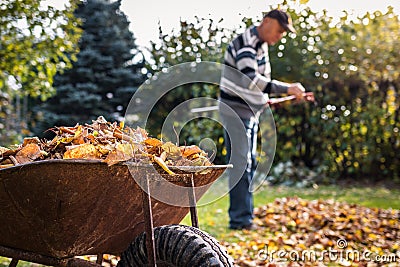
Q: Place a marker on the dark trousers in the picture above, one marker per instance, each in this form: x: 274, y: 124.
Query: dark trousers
x: 241, y: 143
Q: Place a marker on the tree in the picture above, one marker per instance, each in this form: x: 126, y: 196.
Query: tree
x: 350, y: 65
x: 201, y: 40
x: 105, y: 75
x: 36, y: 42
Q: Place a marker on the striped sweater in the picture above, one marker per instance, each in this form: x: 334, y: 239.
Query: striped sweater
x: 246, y: 75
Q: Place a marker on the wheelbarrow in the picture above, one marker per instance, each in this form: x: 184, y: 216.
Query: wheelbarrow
x: 54, y: 211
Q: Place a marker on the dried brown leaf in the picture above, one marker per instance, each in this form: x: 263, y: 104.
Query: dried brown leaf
x: 28, y: 153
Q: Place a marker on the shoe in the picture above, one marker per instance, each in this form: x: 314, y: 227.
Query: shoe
x: 249, y: 227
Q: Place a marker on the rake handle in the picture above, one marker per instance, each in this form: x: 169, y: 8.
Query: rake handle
x: 309, y: 96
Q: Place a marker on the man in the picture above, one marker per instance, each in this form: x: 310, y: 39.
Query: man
x: 245, y: 85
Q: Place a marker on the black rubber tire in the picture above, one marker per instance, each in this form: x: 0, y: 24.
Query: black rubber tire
x: 177, y: 246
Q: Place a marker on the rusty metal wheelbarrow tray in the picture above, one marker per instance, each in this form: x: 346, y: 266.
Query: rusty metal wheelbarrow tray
x: 67, y: 208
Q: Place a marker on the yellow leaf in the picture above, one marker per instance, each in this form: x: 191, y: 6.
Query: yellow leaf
x: 302, y: 246
x: 85, y: 151
x: 162, y: 164
x: 126, y: 149
x: 66, y: 140
x: 172, y: 150
x: 372, y: 236
x: 78, y: 131
x: 366, y: 229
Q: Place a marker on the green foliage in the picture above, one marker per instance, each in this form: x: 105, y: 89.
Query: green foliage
x: 36, y: 42
x: 195, y: 41
x: 350, y: 65
x: 105, y: 75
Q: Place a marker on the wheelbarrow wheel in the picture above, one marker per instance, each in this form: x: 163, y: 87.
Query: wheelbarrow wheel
x: 178, y: 246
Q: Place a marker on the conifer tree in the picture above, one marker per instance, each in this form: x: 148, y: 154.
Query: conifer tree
x: 105, y: 75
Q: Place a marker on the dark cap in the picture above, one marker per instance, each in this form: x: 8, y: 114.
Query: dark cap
x: 283, y: 18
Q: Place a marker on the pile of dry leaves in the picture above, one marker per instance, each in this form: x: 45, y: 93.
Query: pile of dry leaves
x: 103, y: 140
x: 319, y: 233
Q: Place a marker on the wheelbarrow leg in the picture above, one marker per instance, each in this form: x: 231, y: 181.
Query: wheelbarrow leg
x: 193, y: 204
x: 13, y: 263
x: 148, y: 222
x: 99, y: 259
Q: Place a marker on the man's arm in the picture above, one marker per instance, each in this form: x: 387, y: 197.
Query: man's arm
x: 278, y: 87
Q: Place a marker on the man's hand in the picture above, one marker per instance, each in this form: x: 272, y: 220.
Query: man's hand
x: 297, y: 90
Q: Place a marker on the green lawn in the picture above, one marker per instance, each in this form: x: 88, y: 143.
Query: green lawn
x: 213, y: 206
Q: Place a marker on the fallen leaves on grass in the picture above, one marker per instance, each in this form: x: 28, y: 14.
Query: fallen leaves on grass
x: 319, y: 233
